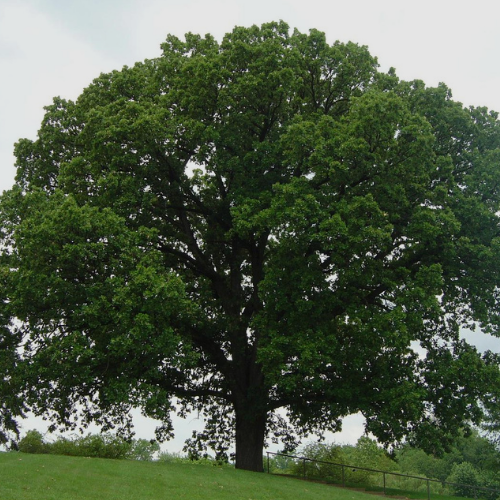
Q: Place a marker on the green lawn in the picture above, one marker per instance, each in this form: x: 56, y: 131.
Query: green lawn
x: 416, y: 495
x: 51, y: 477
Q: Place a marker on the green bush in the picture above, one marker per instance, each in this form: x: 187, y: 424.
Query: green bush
x: 365, y: 455
x: 168, y: 457
x: 93, y: 445
x: 64, y: 446
x: 103, y: 446
x: 321, y: 456
x: 279, y: 464
x: 416, y: 462
x: 468, y: 477
x: 465, y: 476
x: 142, y: 449
x: 33, y: 443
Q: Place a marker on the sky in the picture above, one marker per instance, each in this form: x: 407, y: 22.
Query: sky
x: 54, y: 48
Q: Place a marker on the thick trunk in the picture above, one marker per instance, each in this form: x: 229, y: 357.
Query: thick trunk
x: 250, y: 430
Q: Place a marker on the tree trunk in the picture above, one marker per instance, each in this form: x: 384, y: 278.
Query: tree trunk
x: 250, y: 430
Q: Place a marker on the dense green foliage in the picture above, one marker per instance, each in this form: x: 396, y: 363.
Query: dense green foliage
x: 365, y: 454
x: 472, y: 461
x: 264, y: 223
x: 93, y: 445
x: 11, y: 403
x: 474, y: 449
x: 491, y: 425
x: 465, y: 477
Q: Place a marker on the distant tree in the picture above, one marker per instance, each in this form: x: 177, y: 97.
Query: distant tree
x: 11, y: 403
x: 142, y: 449
x: 479, y: 451
x: 474, y: 449
x: 368, y: 454
x: 465, y: 478
x: 491, y: 424
x: 259, y: 224
x: 414, y: 461
x: 33, y: 442
x: 324, y: 460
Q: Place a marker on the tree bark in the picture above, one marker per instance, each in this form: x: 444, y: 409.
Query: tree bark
x: 250, y: 431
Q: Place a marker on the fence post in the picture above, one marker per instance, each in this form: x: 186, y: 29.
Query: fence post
x: 268, y: 462
x: 384, y: 482
x: 304, y: 467
x: 428, y: 490
x: 343, y: 476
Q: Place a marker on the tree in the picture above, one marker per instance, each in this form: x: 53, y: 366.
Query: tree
x: 474, y: 450
x: 491, y: 424
x: 264, y: 223
x: 465, y: 478
x: 11, y: 403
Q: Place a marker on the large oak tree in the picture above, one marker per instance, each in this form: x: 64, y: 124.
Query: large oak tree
x: 267, y: 223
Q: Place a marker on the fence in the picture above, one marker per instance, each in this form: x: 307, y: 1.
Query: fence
x: 385, y: 475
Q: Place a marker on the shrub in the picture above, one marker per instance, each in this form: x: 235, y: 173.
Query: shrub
x: 468, y: 477
x: 92, y: 445
x: 318, y: 467
x: 365, y: 455
x: 416, y: 462
x: 103, y: 446
x: 33, y: 443
x: 465, y: 476
x: 64, y: 446
x: 168, y: 457
x: 279, y: 464
x: 142, y: 449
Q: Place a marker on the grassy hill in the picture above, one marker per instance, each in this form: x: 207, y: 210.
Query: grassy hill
x: 51, y: 477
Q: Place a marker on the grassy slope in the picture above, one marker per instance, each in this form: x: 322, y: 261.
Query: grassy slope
x: 50, y: 477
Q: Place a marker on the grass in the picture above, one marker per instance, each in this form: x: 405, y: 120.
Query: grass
x: 394, y: 492
x: 416, y: 495
x: 51, y: 477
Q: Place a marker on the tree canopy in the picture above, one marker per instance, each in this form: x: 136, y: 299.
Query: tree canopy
x: 260, y: 227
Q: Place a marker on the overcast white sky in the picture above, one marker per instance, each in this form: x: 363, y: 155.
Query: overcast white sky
x: 56, y: 47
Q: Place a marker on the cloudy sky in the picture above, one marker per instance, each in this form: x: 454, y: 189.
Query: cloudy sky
x: 56, y: 47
